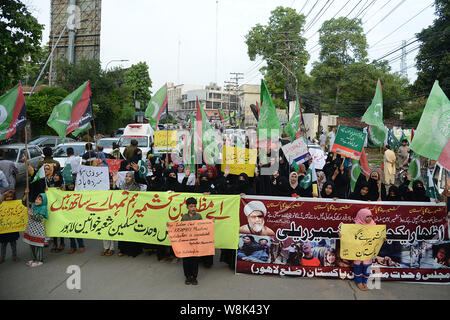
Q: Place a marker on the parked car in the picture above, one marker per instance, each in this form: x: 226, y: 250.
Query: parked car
x: 119, y: 132
x: 60, y: 153
x: 107, y: 143
x: 48, y: 141
x: 15, y: 153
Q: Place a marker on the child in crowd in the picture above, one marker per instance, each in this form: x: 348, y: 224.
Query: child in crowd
x: 361, y: 268
x: 190, y: 264
x: 11, y: 237
x: 34, y: 235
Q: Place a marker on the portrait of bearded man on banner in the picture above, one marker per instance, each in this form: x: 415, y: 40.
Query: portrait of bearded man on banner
x: 256, y: 212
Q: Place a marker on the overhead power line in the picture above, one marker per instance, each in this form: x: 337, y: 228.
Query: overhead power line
x: 390, y: 12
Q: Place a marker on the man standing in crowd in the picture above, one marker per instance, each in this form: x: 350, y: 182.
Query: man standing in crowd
x: 403, y: 153
x: 48, y: 158
x: 389, y: 165
x: 89, y: 156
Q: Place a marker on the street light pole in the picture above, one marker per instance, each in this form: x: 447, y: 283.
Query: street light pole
x: 122, y: 60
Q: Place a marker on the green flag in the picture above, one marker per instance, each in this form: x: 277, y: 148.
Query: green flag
x: 12, y: 112
x: 414, y: 169
x: 403, y: 137
x: 354, y: 175
x: 67, y: 174
x: 374, y: 114
x: 374, y: 118
x: 377, y: 135
x: 74, y: 113
x: 392, y: 140
x: 293, y: 126
x: 432, y: 191
x: 309, y: 178
x: 432, y: 137
x: 204, y: 136
x: 223, y: 117
x: 156, y: 106
x: 268, y: 126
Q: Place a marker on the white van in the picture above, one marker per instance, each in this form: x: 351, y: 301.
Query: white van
x: 141, y: 132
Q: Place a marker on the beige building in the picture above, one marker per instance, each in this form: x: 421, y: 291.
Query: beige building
x: 174, y: 97
x: 249, y: 94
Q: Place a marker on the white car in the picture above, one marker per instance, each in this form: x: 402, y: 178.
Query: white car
x: 15, y: 153
x: 107, y: 144
x: 60, y: 153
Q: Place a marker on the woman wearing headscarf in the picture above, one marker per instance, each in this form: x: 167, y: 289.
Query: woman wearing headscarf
x: 132, y: 249
x: 361, y: 268
x: 204, y: 185
x: 361, y: 193
x: 293, y: 189
x: 340, y: 178
x: 328, y: 191
x: 308, y: 192
x: 418, y: 193
x: 328, y: 168
x: 278, y: 184
x: 181, y: 174
x: 216, y: 179
x: 377, y: 189
x: 242, y: 187
x: 393, y: 194
x: 283, y: 165
x: 34, y: 235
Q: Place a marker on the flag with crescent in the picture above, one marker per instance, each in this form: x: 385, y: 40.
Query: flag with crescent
x: 156, y: 106
x: 12, y: 112
x: 74, y: 113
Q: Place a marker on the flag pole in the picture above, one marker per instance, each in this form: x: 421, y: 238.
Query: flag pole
x: 27, y: 187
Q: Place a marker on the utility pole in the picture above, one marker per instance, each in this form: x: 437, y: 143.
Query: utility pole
x: 235, y: 85
x: 286, y: 57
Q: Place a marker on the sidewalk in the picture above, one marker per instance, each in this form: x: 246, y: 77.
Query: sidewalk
x: 145, y: 278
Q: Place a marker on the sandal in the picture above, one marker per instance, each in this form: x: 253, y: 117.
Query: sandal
x: 104, y: 252
x: 61, y: 248
x: 109, y: 253
x: 120, y: 254
x: 36, y: 264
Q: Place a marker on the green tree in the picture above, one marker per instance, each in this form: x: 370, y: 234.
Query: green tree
x: 343, y: 52
x: 20, y: 36
x: 344, y: 77
x: 433, y: 59
x: 109, y: 92
x: 281, y: 45
x: 137, y: 78
x: 40, y: 106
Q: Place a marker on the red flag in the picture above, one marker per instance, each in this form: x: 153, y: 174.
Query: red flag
x: 364, y: 164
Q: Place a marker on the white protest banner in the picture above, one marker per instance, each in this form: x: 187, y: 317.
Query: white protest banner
x: 296, y: 151
x: 92, y: 179
x: 318, y: 157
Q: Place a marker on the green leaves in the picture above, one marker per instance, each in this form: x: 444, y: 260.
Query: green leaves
x: 20, y: 36
x: 281, y: 45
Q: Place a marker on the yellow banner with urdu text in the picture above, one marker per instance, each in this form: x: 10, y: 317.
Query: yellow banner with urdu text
x: 239, y: 160
x: 137, y: 216
x: 13, y: 216
x: 361, y: 242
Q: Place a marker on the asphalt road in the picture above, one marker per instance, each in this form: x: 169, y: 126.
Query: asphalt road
x: 145, y: 278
